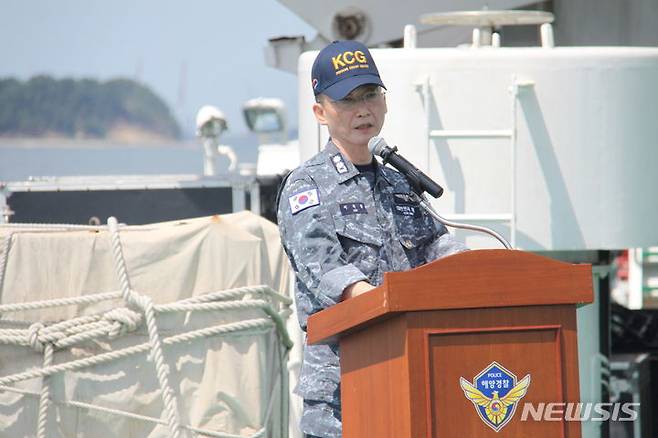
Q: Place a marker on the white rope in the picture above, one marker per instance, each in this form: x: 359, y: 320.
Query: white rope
x: 95, y: 298
x: 116, y: 322
x: 233, y: 328
x: 238, y: 292
x: 34, y: 332
x: 68, y: 333
x: 119, y: 261
x: 44, y: 400
x: 74, y: 324
x: 8, y: 336
x: 285, y: 401
x: 252, y: 324
x: 146, y: 305
x: 232, y: 305
x: 36, y: 305
x: 225, y: 305
x: 37, y: 328
x: 4, y: 256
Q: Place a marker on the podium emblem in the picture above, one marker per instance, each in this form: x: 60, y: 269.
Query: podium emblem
x: 495, y: 394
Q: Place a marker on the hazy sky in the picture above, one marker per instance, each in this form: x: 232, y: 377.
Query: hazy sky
x: 189, y: 52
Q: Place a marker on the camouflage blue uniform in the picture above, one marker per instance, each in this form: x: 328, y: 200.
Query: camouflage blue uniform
x: 355, y: 227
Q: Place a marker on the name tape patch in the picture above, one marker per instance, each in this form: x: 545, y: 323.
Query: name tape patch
x: 405, y: 210
x: 302, y: 201
x: 405, y: 204
x: 353, y: 208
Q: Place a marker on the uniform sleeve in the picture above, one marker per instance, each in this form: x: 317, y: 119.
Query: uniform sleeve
x: 310, y: 241
x: 444, y: 244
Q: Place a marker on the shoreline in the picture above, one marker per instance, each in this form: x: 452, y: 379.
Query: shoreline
x: 73, y: 143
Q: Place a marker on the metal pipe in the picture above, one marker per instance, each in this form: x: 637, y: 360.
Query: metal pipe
x: 209, y: 144
x: 546, y: 36
x: 479, y: 217
x: 515, y: 95
x: 493, y: 133
x: 410, y: 37
x: 476, y: 38
x: 230, y: 154
x: 517, y: 87
x: 495, y: 39
x: 426, y: 90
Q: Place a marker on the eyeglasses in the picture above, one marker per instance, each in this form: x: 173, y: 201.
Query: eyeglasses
x: 369, y: 98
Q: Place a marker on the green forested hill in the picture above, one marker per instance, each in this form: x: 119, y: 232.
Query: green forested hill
x: 45, y: 106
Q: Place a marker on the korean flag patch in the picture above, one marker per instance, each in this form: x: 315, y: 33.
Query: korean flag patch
x: 303, y: 200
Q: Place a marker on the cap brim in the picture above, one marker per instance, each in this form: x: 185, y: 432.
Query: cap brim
x: 341, y: 89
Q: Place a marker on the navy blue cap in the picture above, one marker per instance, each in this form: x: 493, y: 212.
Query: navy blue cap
x: 341, y: 67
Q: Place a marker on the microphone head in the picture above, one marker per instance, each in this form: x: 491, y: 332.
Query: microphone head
x: 376, y: 145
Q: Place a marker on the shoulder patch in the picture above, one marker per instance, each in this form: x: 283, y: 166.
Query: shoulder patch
x: 303, y: 200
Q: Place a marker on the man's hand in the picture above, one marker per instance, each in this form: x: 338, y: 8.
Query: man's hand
x: 355, y: 289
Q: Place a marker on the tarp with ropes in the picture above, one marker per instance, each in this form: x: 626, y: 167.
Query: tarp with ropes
x: 174, y: 329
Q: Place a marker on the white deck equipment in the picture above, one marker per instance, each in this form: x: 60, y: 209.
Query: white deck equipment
x: 554, y: 147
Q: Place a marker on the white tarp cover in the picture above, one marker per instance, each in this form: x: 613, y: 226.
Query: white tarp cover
x: 223, y: 383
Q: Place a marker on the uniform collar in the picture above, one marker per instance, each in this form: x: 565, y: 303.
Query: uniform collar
x: 383, y: 171
x: 327, y: 156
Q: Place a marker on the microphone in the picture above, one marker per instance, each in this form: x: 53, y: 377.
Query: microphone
x: 419, y: 181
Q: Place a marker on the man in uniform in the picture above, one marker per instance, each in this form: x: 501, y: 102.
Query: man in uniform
x: 345, y: 219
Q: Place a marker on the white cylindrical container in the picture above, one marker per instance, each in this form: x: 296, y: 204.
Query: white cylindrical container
x: 586, y: 138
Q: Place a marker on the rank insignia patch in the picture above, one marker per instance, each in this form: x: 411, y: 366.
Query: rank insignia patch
x: 303, y: 200
x: 495, y: 394
x: 339, y: 164
x: 404, y: 199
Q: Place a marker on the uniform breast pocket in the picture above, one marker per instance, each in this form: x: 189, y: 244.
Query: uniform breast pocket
x: 361, y: 239
x: 414, y: 226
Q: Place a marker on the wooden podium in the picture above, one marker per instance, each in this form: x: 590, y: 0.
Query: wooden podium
x: 405, y: 345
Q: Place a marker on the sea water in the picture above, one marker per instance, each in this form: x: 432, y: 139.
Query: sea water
x: 20, y: 160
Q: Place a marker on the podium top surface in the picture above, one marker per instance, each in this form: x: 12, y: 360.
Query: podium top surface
x: 469, y: 280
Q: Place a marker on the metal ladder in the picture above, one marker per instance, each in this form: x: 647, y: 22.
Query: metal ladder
x: 517, y: 86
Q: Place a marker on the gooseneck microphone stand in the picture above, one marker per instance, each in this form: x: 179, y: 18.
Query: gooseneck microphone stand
x: 422, y: 183
x: 425, y: 203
